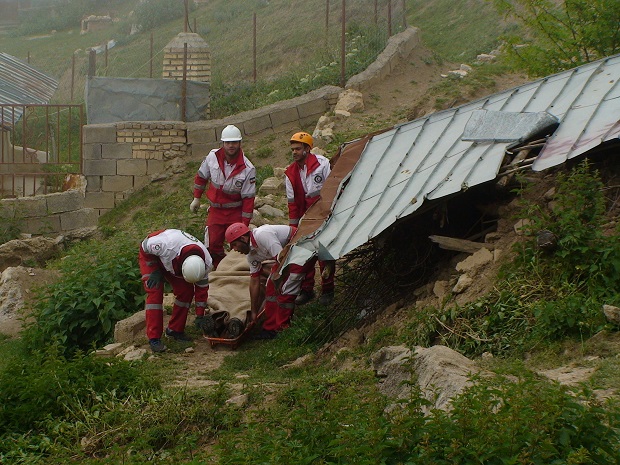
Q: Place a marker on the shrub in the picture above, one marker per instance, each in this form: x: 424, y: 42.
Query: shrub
x: 100, y: 285
x: 262, y: 173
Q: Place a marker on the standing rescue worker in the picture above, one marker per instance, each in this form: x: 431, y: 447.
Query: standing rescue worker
x: 262, y: 244
x: 182, y: 260
x: 304, y: 179
x: 232, y: 188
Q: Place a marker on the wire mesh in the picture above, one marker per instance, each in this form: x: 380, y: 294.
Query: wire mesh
x: 39, y: 147
x: 238, y: 67
x: 376, y: 275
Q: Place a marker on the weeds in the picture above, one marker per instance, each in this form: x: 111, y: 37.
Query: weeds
x: 550, y: 294
x: 100, y: 286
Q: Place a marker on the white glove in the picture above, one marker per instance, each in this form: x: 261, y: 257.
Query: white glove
x: 194, y: 206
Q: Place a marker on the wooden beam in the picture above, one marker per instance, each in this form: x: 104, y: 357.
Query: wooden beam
x: 460, y: 245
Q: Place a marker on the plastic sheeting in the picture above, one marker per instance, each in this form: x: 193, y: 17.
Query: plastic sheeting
x: 109, y: 100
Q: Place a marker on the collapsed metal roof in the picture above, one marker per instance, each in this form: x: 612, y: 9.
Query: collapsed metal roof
x: 389, y: 175
x: 21, y: 84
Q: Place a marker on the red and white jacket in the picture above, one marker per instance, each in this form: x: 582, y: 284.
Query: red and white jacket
x: 303, y: 185
x: 168, y: 248
x: 232, y: 187
x: 266, y: 242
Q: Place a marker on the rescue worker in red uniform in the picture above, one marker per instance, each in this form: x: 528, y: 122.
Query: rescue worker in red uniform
x: 232, y: 188
x: 265, y: 244
x: 182, y: 260
x: 304, y: 179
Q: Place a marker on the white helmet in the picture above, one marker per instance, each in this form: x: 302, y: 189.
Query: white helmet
x: 193, y: 269
x: 231, y: 134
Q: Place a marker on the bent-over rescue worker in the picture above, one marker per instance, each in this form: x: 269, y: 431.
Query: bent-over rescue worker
x: 262, y: 244
x: 232, y: 188
x: 304, y: 179
x: 177, y: 257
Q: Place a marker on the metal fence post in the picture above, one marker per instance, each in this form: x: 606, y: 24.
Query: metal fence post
x: 389, y: 18
x: 342, y: 44
x: 72, y: 75
x: 92, y: 63
x: 254, y: 46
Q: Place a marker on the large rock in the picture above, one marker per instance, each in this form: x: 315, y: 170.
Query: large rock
x: 131, y: 328
x: 273, y: 212
x: 351, y: 101
x: 440, y: 372
x: 34, y: 250
x: 272, y: 185
x: 16, y: 295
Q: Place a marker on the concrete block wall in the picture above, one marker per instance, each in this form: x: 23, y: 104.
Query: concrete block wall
x: 55, y: 213
x: 278, y: 117
x: 397, y: 49
x: 120, y: 158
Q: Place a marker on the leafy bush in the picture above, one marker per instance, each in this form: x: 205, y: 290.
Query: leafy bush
x: 262, y: 173
x: 100, y: 286
x: 9, y: 229
x: 561, y: 35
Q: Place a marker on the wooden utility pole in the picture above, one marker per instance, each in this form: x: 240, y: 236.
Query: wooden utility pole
x: 186, y: 22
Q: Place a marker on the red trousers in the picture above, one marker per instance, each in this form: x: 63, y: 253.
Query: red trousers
x: 184, y: 293
x: 280, y: 300
x: 217, y: 222
x: 327, y: 283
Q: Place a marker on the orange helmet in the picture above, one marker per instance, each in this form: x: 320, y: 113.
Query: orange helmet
x: 235, y: 231
x: 304, y: 138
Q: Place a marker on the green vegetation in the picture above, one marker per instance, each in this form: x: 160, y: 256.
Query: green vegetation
x: 60, y: 405
x: 456, y: 34
x: 100, y: 286
x: 555, y: 36
x: 153, y: 13
x: 319, y: 414
x: 289, y: 62
x: 544, y: 295
x: 56, y: 15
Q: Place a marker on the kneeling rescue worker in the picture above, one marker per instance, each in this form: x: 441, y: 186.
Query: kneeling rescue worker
x: 262, y: 244
x: 182, y: 260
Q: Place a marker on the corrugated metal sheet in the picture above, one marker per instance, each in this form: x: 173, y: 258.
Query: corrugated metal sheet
x: 388, y: 176
x: 21, y: 84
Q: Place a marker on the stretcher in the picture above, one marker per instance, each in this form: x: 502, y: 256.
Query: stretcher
x: 233, y: 343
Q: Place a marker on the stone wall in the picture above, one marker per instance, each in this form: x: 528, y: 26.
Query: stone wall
x: 122, y: 157
x: 49, y: 214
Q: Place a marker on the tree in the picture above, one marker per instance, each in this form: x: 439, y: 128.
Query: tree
x: 560, y: 35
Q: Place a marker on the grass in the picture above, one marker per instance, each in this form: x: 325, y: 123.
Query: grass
x: 316, y: 413
x: 289, y: 60
x: 456, y: 33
